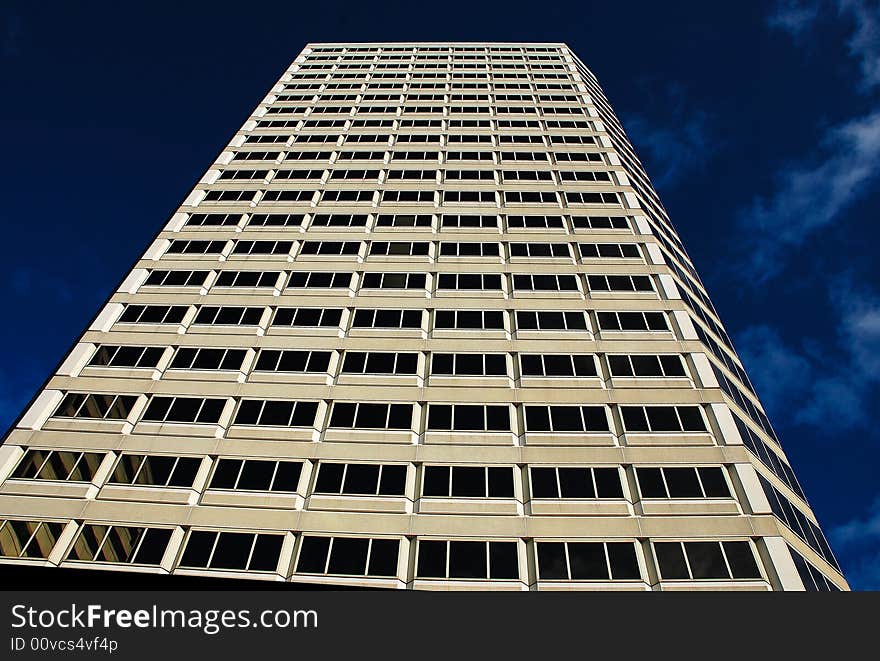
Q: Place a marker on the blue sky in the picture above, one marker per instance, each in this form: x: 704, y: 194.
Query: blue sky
x: 758, y: 122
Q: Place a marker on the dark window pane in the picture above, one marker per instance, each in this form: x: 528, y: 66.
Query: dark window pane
x: 287, y: 476
x: 670, y: 560
x: 393, y: 480
x: 608, y: 483
x: 714, y: 483
x: 503, y: 560
x: 500, y: 482
x: 256, y: 475
x: 313, y: 555
x: 225, y: 474
x: 329, y: 478
x: 232, y: 550
x: 651, y: 482
x: 468, y: 481
x: 682, y: 483
x: 706, y: 559
x: 624, y: 564
x: 691, y: 420
x: 361, y: 479
x: 348, y: 556
x: 587, y: 561
x: 436, y: 481
x: 467, y: 560
x: 198, y: 548
x: 543, y: 482
x: 383, y: 557
x: 576, y: 483
x: 432, y: 559
x: 741, y: 560
x: 153, y: 546
x: 551, y: 561
x: 662, y: 418
x: 266, y: 553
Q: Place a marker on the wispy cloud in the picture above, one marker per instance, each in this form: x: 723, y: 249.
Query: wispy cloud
x: 860, y: 537
x: 812, y: 194
x: 817, y: 189
x: 794, y: 17
x: 807, y: 383
x: 677, y: 145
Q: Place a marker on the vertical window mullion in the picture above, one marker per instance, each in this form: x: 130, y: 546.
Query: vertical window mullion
x: 369, y: 552
x: 274, y: 473
x: 247, y: 563
x: 687, y: 560
x: 238, y: 474
x: 97, y: 548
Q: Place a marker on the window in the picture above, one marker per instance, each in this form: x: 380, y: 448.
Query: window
x: 348, y: 556
x: 361, y: 479
x: 190, y: 358
x: 469, y: 364
x: 364, y: 318
x: 408, y: 196
x: 469, y: 417
x: 600, y: 222
x: 288, y: 196
x: 530, y: 197
x: 229, y: 195
x: 153, y: 314
x: 469, y: 221
x: 632, y: 321
x: 127, y: 545
x: 394, y: 281
x: 646, y: 366
x: 339, y: 220
x: 180, y: 247
x: 310, y: 280
x: 468, y: 482
x: 209, y: 549
x: 403, y: 220
x: 412, y: 175
x: 581, y: 197
x: 371, y: 415
x: 347, y: 196
x: 28, y: 539
x: 256, y: 475
x: 536, y: 282
x: 213, y: 220
x: 299, y: 175
x: 276, y: 360
x: 247, y: 279
x: 96, y: 406
x: 566, y: 419
x: 535, y: 222
x: 276, y: 413
x: 662, y: 418
x: 276, y: 220
x: 470, y: 175
x: 587, y: 561
x: 377, y: 362
x: 469, y: 281
x: 262, y: 247
x: 184, y: 410
x: 155, y: 470
x: 465, y: 197
x: 705, y: 560
x: 550, y: 320
x: 333, y: 248
x: 133, y: 357
x: 228, y: 316
x: 553, y: 365
x: 57, y: 465
x: 575, y: 482
x: 402, y: 248
x: 450, y: 249
x: 612, y: 250
x: 539, y: 250
x: 683, y: 482
x: 460, y: 559
x: 308, y: 317
x: 620, y: 283
x: 176, y: 278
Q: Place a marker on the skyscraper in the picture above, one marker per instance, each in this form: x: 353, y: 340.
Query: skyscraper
x: 424, y: 323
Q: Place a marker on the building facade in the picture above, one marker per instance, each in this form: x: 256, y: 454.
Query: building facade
x: 424, y: 323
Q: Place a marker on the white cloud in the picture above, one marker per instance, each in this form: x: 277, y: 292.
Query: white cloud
x: 811, y: 195
x: 809, y: 384
x: 675, y: 146
x: 865, y: 41
x: 793, y: 16
x: 859, y: 529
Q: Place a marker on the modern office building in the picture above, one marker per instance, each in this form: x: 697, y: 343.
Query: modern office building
x: 423, y: 323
